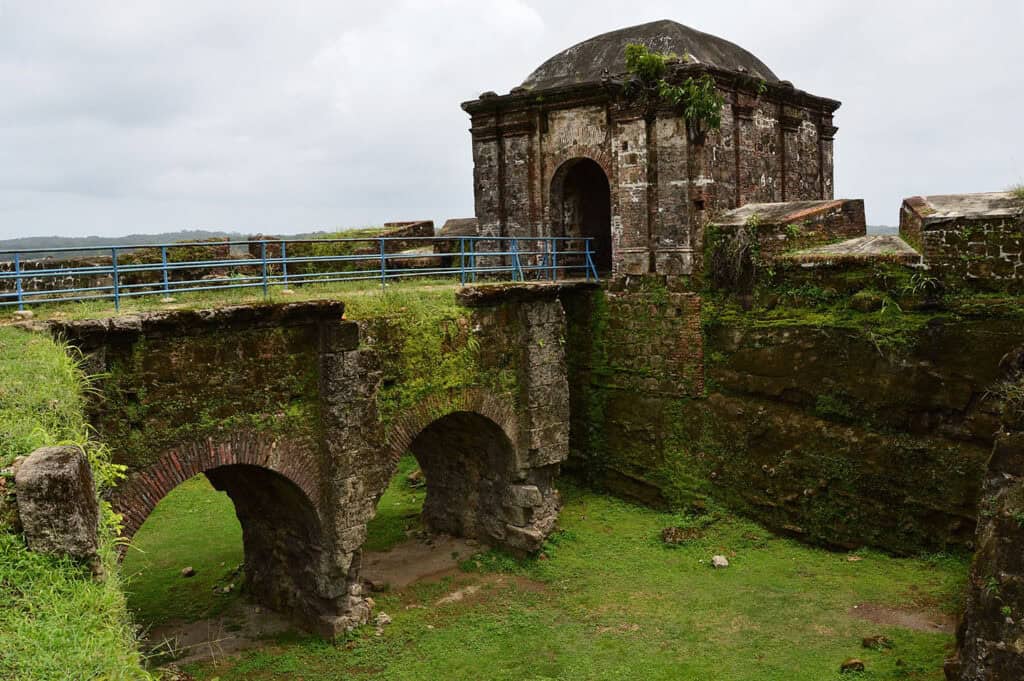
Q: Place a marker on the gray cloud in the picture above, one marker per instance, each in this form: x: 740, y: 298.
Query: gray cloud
x: 124, y: 117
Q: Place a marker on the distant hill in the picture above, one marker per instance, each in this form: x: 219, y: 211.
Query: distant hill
x: 883, y: 229
x: 95, y: 245
x: 33, y: 243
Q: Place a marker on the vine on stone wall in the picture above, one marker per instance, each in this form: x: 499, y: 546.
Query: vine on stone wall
x: 698, y: 99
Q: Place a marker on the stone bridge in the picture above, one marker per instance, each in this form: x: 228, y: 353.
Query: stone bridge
x: 300, y: 416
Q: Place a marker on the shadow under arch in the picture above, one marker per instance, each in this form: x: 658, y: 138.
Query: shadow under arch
x: 466, y: 460
x: 581, y: 206
x: 479, y: 483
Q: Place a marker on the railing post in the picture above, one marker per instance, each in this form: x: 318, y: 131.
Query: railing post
x: 383, y: 266
x: 590, y: 263
x: 554, y: 259
x: 163, y: 268
x: 472, y: 259
x: 284, y: 262
x: 17, y: 280
x: 117, y: 280
x: 517, y: 268
x: 263, y: 258
x: 462, y: 262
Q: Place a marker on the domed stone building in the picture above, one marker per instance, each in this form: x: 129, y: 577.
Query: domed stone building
x: 573, y: 151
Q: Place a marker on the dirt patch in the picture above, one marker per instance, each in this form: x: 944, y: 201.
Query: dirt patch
x: 416, y: 561
x: 918, y: 620
x: 244, y: 626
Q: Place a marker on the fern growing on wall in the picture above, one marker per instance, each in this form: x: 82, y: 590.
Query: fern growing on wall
x: 697, y: 99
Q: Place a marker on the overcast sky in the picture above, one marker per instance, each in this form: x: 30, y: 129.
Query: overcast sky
x: 119, y: 117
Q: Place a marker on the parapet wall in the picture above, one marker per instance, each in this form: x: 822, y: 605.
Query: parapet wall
x: 974, y: 240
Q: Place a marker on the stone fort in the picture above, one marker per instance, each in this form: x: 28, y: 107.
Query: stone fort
x: 571, y: 152
x: 752, y: 346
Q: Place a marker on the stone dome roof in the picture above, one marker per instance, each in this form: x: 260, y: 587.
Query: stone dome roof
x: 588, y: 61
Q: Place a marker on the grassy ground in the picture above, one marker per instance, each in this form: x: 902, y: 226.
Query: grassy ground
x: 350, y: 290
x: 607, y: 601
x: 56, y: 622
x: 193, y: 526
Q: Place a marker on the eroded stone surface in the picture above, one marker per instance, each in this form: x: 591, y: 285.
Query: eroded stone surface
x: 57, y: 502
x: 991, y: 634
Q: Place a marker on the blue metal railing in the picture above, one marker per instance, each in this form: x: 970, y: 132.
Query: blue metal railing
x: 130, y: 271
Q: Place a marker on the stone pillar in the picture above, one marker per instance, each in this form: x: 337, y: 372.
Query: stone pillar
x: 354, y: 472
x: 630, y: 229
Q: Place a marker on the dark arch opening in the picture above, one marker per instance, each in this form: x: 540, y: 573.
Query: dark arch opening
x: 192, y: 526
x: 581, y: 206
x: 466, y: 459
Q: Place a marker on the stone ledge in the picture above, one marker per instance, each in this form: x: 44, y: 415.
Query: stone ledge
x: 483, y: 295
x: 89, y: 334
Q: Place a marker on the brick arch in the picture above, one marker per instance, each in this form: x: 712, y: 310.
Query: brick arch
x: 136, y: 498
x: 556, y: 162
x: 479, y: 401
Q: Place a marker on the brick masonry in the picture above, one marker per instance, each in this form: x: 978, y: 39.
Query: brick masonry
x: 772, y: 146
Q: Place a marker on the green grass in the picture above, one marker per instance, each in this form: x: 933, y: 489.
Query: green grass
x: 350, y: 291
x: 56, y: 622
x: 193, y: 526
x: 610, y: 601
x: 398, y: 511
x: 40, y: 394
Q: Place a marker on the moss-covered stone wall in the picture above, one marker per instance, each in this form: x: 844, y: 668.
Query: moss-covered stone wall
x: 840, y: 425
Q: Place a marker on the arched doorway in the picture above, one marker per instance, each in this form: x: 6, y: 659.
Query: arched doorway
x: 581, y: 206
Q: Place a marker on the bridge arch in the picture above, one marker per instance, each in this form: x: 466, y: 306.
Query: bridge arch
x: 136, y: 497
x: 479, y: 482
x: 273, y: 485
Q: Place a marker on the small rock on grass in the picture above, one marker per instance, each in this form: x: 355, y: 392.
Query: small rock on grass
x: 188, y: 571
x: 719, y: 562
x: 382, y: 619
x: 851, y: 665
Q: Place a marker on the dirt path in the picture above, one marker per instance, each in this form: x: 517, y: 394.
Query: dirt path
x: 918, y: 620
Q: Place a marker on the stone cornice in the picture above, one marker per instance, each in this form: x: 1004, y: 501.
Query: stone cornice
x: 610, y: 89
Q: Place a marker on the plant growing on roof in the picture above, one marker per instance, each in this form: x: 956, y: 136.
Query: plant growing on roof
x: 697, y: 99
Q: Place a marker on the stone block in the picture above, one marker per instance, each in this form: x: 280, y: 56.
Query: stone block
x: 57, y: 502
x: 523, y: 496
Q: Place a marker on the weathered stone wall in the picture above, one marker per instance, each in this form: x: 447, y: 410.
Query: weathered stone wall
x: 781, y: 227
x: 635, y: 359
x: 990, y: 639
x: 974, y: 241
x: 844, y: 428
x: 772, y: 146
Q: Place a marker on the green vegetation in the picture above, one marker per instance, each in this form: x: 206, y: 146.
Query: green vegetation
x: 609, y: 600
x: 1018, y: 191
x: 198, y: 300
x: 193, y: 526
x: 433, y: 346
x: 398, y: 511
x: 56, y: 621
x: 697, y: 99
